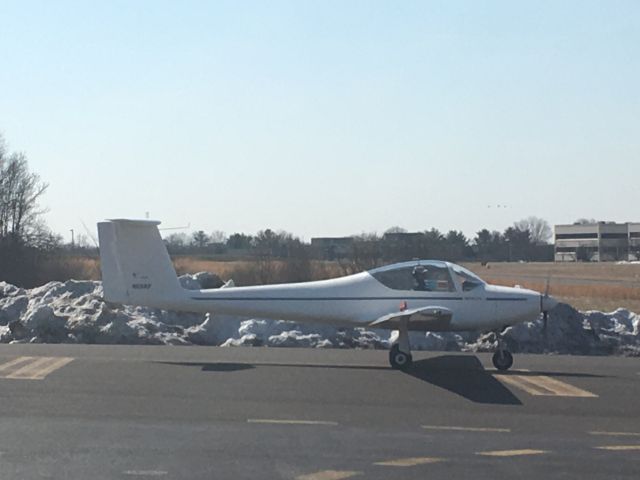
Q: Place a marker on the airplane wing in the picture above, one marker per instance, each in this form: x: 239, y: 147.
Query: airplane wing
x: 421, y: 319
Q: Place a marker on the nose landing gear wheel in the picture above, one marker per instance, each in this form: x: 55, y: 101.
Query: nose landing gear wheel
x: 502, y: 360
x: 398, y: 359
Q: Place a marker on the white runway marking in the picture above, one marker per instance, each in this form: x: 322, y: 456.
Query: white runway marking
x: 543, y: 385
x: 146, y: 473
x: 619, y: 448
x: 511, y: 453
x: 291, y: 422
x: 466, y: 429
x: 329, y: 475
x: 616, y: 434
x: 409, y: 462
x: 32, y: 368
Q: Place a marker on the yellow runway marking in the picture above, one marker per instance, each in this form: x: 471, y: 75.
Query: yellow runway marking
x: 409, y: 462
x: 619, y: 448
x: 329, y: 475
x: 466, y: 429
x: 511, y: 453
x: 616, y: 434
x: 32, y: 368
x: 543, y: 385
x: 14, y: 362
x: 290, y: 422
x: 29, y: 369
x: 54, y: 365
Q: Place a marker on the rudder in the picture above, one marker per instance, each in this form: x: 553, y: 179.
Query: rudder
x: 135, y: 264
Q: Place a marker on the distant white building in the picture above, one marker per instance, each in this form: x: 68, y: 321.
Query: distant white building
x: 634, y: 241
x: 597, y: 242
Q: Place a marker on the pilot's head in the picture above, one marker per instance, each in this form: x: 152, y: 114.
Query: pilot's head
x: 419, y: 271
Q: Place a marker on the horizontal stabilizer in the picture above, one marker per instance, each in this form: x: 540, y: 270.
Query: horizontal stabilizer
x: 423, y: 319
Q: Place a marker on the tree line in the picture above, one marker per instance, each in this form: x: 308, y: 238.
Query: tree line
x: 526, y: 239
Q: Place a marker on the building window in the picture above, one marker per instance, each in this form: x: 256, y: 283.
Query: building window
x: 613, y: 235
x: 575, y: 236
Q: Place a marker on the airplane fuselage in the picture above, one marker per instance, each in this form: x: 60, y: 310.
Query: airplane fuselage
x: 359, y: 299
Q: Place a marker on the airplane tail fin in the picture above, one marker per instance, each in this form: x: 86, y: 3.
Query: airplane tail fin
x: 136, y: 268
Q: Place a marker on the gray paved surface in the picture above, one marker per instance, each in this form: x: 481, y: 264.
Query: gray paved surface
x: 175, y: 412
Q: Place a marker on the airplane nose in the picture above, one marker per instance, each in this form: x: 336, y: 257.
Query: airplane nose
x: 548, y: 303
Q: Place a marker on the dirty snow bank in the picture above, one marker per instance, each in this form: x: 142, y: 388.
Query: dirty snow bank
x: 73, y: 312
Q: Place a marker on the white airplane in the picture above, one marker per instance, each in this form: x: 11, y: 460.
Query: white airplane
x: 420, y: 295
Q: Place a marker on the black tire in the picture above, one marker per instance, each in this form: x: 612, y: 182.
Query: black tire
x: 502, y: 360
x: 398, y: 359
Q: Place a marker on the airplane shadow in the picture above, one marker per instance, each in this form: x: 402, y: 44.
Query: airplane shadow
x: 214, y: 367
x: 463, y: 375
x: 232, y: 367
x: 459, y: 374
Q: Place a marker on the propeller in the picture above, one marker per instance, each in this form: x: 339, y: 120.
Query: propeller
x: 547, y: 303
x: 545, y: 313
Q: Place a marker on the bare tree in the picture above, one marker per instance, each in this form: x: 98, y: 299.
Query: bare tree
x: 82, y: 241
x: 176, y: 242
x: 25, y: 241
x: 20, y: 191
x: 366, y: 253
x: 539, y: 229
x: 266, y: 246
x: 218, y: 236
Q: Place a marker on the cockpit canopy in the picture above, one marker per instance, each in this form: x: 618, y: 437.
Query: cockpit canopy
x: 427, y: 276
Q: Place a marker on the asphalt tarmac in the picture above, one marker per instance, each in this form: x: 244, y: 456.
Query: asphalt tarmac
x: 122, y: 412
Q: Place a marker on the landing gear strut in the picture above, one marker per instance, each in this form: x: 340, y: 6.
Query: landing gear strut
x: 400, y: 354
x: 502, y: 358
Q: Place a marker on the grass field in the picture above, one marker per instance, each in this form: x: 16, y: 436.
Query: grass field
x: 586, y: 286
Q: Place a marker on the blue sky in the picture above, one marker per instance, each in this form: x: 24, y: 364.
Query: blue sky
x: 326, y: 118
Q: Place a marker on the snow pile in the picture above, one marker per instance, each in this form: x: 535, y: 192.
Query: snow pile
x: 73, y: 312
x: 572, y: 332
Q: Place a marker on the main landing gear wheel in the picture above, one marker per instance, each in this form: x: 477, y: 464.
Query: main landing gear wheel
x: 502, y: 360
x: 398, y: 359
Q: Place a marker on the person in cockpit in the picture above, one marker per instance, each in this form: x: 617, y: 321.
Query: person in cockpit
x: 420, y: 276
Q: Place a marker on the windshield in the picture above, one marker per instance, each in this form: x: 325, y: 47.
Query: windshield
x: 467, y: 279
x: 425, y: 278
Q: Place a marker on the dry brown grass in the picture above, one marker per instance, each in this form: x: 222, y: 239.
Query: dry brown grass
x: 586, y: 297
x: 65, y: 267
x: 613, y: 292
x: 86, y: 268
x: 194, y: 265
x: 586, y: 286
x: 248, y: 272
